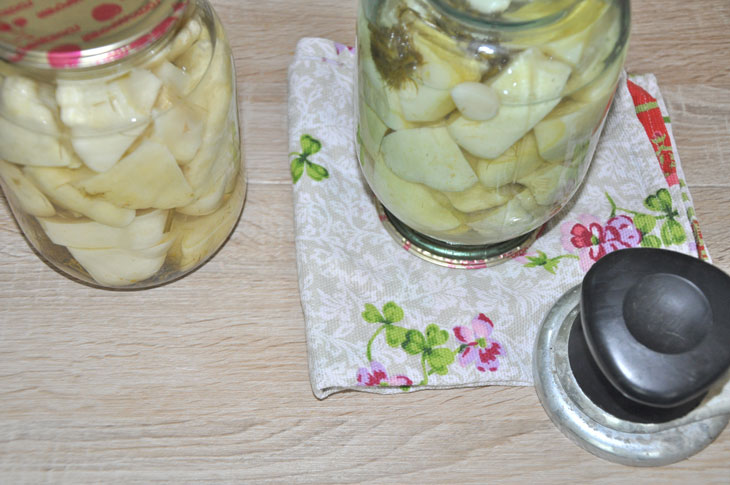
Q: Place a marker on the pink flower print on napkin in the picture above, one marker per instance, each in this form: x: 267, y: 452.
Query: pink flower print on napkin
x: 378, y: 376
x: 477, y: 348
x: 340, y: 48
x: 593, y: 240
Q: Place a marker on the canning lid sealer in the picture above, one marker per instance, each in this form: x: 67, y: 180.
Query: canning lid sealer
x: 626, y: 363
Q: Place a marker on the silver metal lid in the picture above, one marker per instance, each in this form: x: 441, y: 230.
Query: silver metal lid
x: 592, y: 428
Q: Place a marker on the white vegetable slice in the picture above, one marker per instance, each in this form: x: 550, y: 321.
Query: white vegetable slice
x: 96, y: 111
x: 421, y: 103
x: 570, y: 123
x: 194, y: 62
x: 174, y: 77
x: 186, y: 36
x: 198, y: 237
x: 577, y: 31
x: 211, y: 174
x: 476, y: 101
x: 180, y: 129
x: 428, y: 156
x: 149, y: 177
x: 121, y: 267
x: 29, y: 133
x: 505, y: 222
x: 184, y: 39
x: 545, y: 183
x: 529, y: 88
x: 519, y: 160
x: 411, y: 203
x: 27, y: 196
x: 101, y: 152
x: 145, y: 231
x: 478, y: 197
x: 592, y: 78
x: 444, y: 62
x: 55, y: 183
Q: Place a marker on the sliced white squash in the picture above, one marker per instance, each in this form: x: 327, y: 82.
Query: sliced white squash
x: 121, y: 267
x: 195, y: 61
x: 569, y: 123
x: 505, y: 222
x: 107, y: 117
x: 26, y: 195
x: 411, y: 203
x: 196, y: 238
x: 149, y: 177
x: 528, y: 202
x: 476, y: 101
x: 445, y: 63
x: 577, y: 31
x: 145, y: 231
x: 211, y: 174
x: 545, y: 183
x: 529, y: 88
x: 428, y: 156
x: 477, y: 197
x: 29, y: 132
x: 178, y: 80
x: 215, y: 95
x: 101, y: 152
x: 519, y: 160
x: 56, y: 184
x: 185, y: 38
x: 181, y: 130
x: 593, y: 79
x: 422, y: 103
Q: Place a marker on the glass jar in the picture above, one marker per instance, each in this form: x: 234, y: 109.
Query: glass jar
x: 119, y: 136
x: 478, y: 119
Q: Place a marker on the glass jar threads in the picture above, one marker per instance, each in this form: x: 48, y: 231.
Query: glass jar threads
x: 119, y: 136
x: 478, y: 119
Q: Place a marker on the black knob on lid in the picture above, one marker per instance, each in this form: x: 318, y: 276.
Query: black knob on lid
x: 657, y: 324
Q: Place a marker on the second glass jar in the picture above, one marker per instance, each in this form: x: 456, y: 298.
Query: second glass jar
x: 478, y: 119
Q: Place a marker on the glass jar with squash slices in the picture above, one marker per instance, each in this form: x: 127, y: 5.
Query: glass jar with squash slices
x: 119, y: 136
x: 478, y: 119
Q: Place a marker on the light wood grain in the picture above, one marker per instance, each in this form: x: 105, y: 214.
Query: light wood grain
x: 206, y: 379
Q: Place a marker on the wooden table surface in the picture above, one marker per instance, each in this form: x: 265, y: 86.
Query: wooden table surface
x: 206, y: 379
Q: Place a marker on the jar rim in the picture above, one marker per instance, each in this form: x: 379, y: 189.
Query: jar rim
x: 76, y: 34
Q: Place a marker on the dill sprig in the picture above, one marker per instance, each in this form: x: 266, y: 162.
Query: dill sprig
x: 394, y: 54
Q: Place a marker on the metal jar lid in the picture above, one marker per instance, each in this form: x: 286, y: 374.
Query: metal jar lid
x: 73, y: 34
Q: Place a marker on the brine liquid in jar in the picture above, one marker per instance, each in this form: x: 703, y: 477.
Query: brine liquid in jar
x: 119, y: 136
x: 478, y: 119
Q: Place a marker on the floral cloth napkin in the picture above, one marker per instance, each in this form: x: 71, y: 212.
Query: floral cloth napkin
x: 380, y: 319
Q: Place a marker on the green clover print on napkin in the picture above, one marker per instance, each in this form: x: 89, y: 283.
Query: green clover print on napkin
x: 671, y: 231
x: 310, y: 146
x: 434, y: 358
x: 476, y: 347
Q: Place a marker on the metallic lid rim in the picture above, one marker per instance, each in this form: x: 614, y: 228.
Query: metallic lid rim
x: 594, y: 430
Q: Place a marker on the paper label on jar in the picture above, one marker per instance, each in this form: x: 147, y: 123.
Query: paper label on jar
x: 67, y: 34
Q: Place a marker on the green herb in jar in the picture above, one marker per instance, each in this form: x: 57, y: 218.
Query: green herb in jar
x: 394, y: 54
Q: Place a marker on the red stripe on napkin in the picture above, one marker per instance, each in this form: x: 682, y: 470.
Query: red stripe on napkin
x: 650, y: 116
